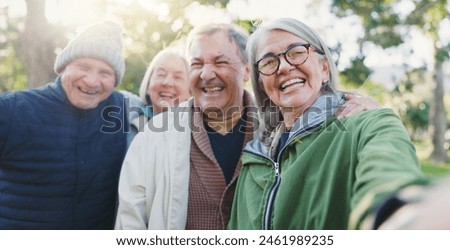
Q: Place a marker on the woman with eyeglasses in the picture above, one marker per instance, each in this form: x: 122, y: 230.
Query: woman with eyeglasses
x: 307, y: 169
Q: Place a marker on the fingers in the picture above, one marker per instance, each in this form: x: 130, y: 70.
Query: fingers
x: 352, y: 95
x: 355, y: 104
x: 348, y: 110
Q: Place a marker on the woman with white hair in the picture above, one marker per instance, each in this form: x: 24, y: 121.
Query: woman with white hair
x: 165, y: 84
x: 307, y: 169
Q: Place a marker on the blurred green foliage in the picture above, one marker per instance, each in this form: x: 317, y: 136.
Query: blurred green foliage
x: 147, y: 32
x: 12, y: 71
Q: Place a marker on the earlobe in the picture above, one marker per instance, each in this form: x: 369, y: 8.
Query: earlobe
x: 247, y: 73
x: 325, y: 66
x: 325, y: 70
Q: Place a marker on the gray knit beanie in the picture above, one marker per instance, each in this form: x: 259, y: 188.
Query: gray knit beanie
x: 101, y: 41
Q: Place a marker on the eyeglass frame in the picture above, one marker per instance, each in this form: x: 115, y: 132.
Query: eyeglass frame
x: 306, y: 45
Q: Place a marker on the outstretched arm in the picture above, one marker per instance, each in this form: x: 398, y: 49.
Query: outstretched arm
x: 425, y: 208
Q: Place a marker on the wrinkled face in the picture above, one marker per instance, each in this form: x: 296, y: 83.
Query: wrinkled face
x: 87, y: 82
x: 169, y: 84
x: 217, y: 74
x: 291, y: 88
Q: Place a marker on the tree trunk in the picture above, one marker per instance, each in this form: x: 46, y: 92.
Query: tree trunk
x: 438, y: 117
x: 37, y: 45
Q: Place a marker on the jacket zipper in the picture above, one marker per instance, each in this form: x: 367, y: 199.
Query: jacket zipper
x: 273, y: 189
x: 267, y: 216
x: 271, y: 198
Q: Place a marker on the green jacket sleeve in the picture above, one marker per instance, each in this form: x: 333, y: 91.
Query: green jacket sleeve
x: 387, y: 162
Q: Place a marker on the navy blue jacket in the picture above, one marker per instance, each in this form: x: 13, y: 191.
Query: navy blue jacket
x: 59, y: 166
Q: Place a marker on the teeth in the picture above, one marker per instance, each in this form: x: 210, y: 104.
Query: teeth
x: 167, y: 95
x: 90, y: 92
x: 212, y: 89
x: 292, y: 82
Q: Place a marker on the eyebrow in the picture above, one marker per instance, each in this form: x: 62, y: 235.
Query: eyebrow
x: 290, y: 46
x: 160, y: 69
x: 222, y: 56
x: 88, y: 65
x: 179, y: 73
x: 215, y: 58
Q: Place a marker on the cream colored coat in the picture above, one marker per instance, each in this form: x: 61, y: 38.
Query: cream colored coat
x: 154, y: 182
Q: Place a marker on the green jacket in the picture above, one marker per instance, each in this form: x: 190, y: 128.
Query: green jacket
x: 330, y: 177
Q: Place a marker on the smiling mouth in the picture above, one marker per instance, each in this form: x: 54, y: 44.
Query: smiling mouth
x: 296, y: 82
x: 167, y: 95
x: 212, y: 90
x: 87, y: 92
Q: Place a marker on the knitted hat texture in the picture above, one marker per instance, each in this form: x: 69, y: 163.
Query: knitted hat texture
x: 101, y: 41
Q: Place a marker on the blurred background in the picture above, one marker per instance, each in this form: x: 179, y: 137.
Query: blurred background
x: 396, y: 51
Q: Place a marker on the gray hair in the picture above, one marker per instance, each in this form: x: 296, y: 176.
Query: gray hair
x: 145, y: 98
x: 269, y: 112
x: 235, y: 33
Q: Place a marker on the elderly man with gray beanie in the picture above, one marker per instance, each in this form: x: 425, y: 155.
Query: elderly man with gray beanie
x: 62, y: 145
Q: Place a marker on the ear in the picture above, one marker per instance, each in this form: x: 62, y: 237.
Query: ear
x: 247, y: 72
x: 62, y: 70
x: 62, y: 73
x: 325, y: 70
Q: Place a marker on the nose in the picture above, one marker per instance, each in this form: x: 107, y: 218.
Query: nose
x: 284, y: 65
x: 92, y: 79
x: 207, y: 72
x: 168, y: 80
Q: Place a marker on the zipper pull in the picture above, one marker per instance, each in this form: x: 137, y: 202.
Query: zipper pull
x: 277, y: 169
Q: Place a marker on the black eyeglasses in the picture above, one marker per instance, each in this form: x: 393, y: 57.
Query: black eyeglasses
x: 295, y: 55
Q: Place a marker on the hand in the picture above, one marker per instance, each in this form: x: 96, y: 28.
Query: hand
x: 355, y: 103
x: 430, y: 212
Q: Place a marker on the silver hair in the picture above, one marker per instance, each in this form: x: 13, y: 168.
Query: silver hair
x: 270, y: 114
x: 145, y: 98
x: 235, y: 33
